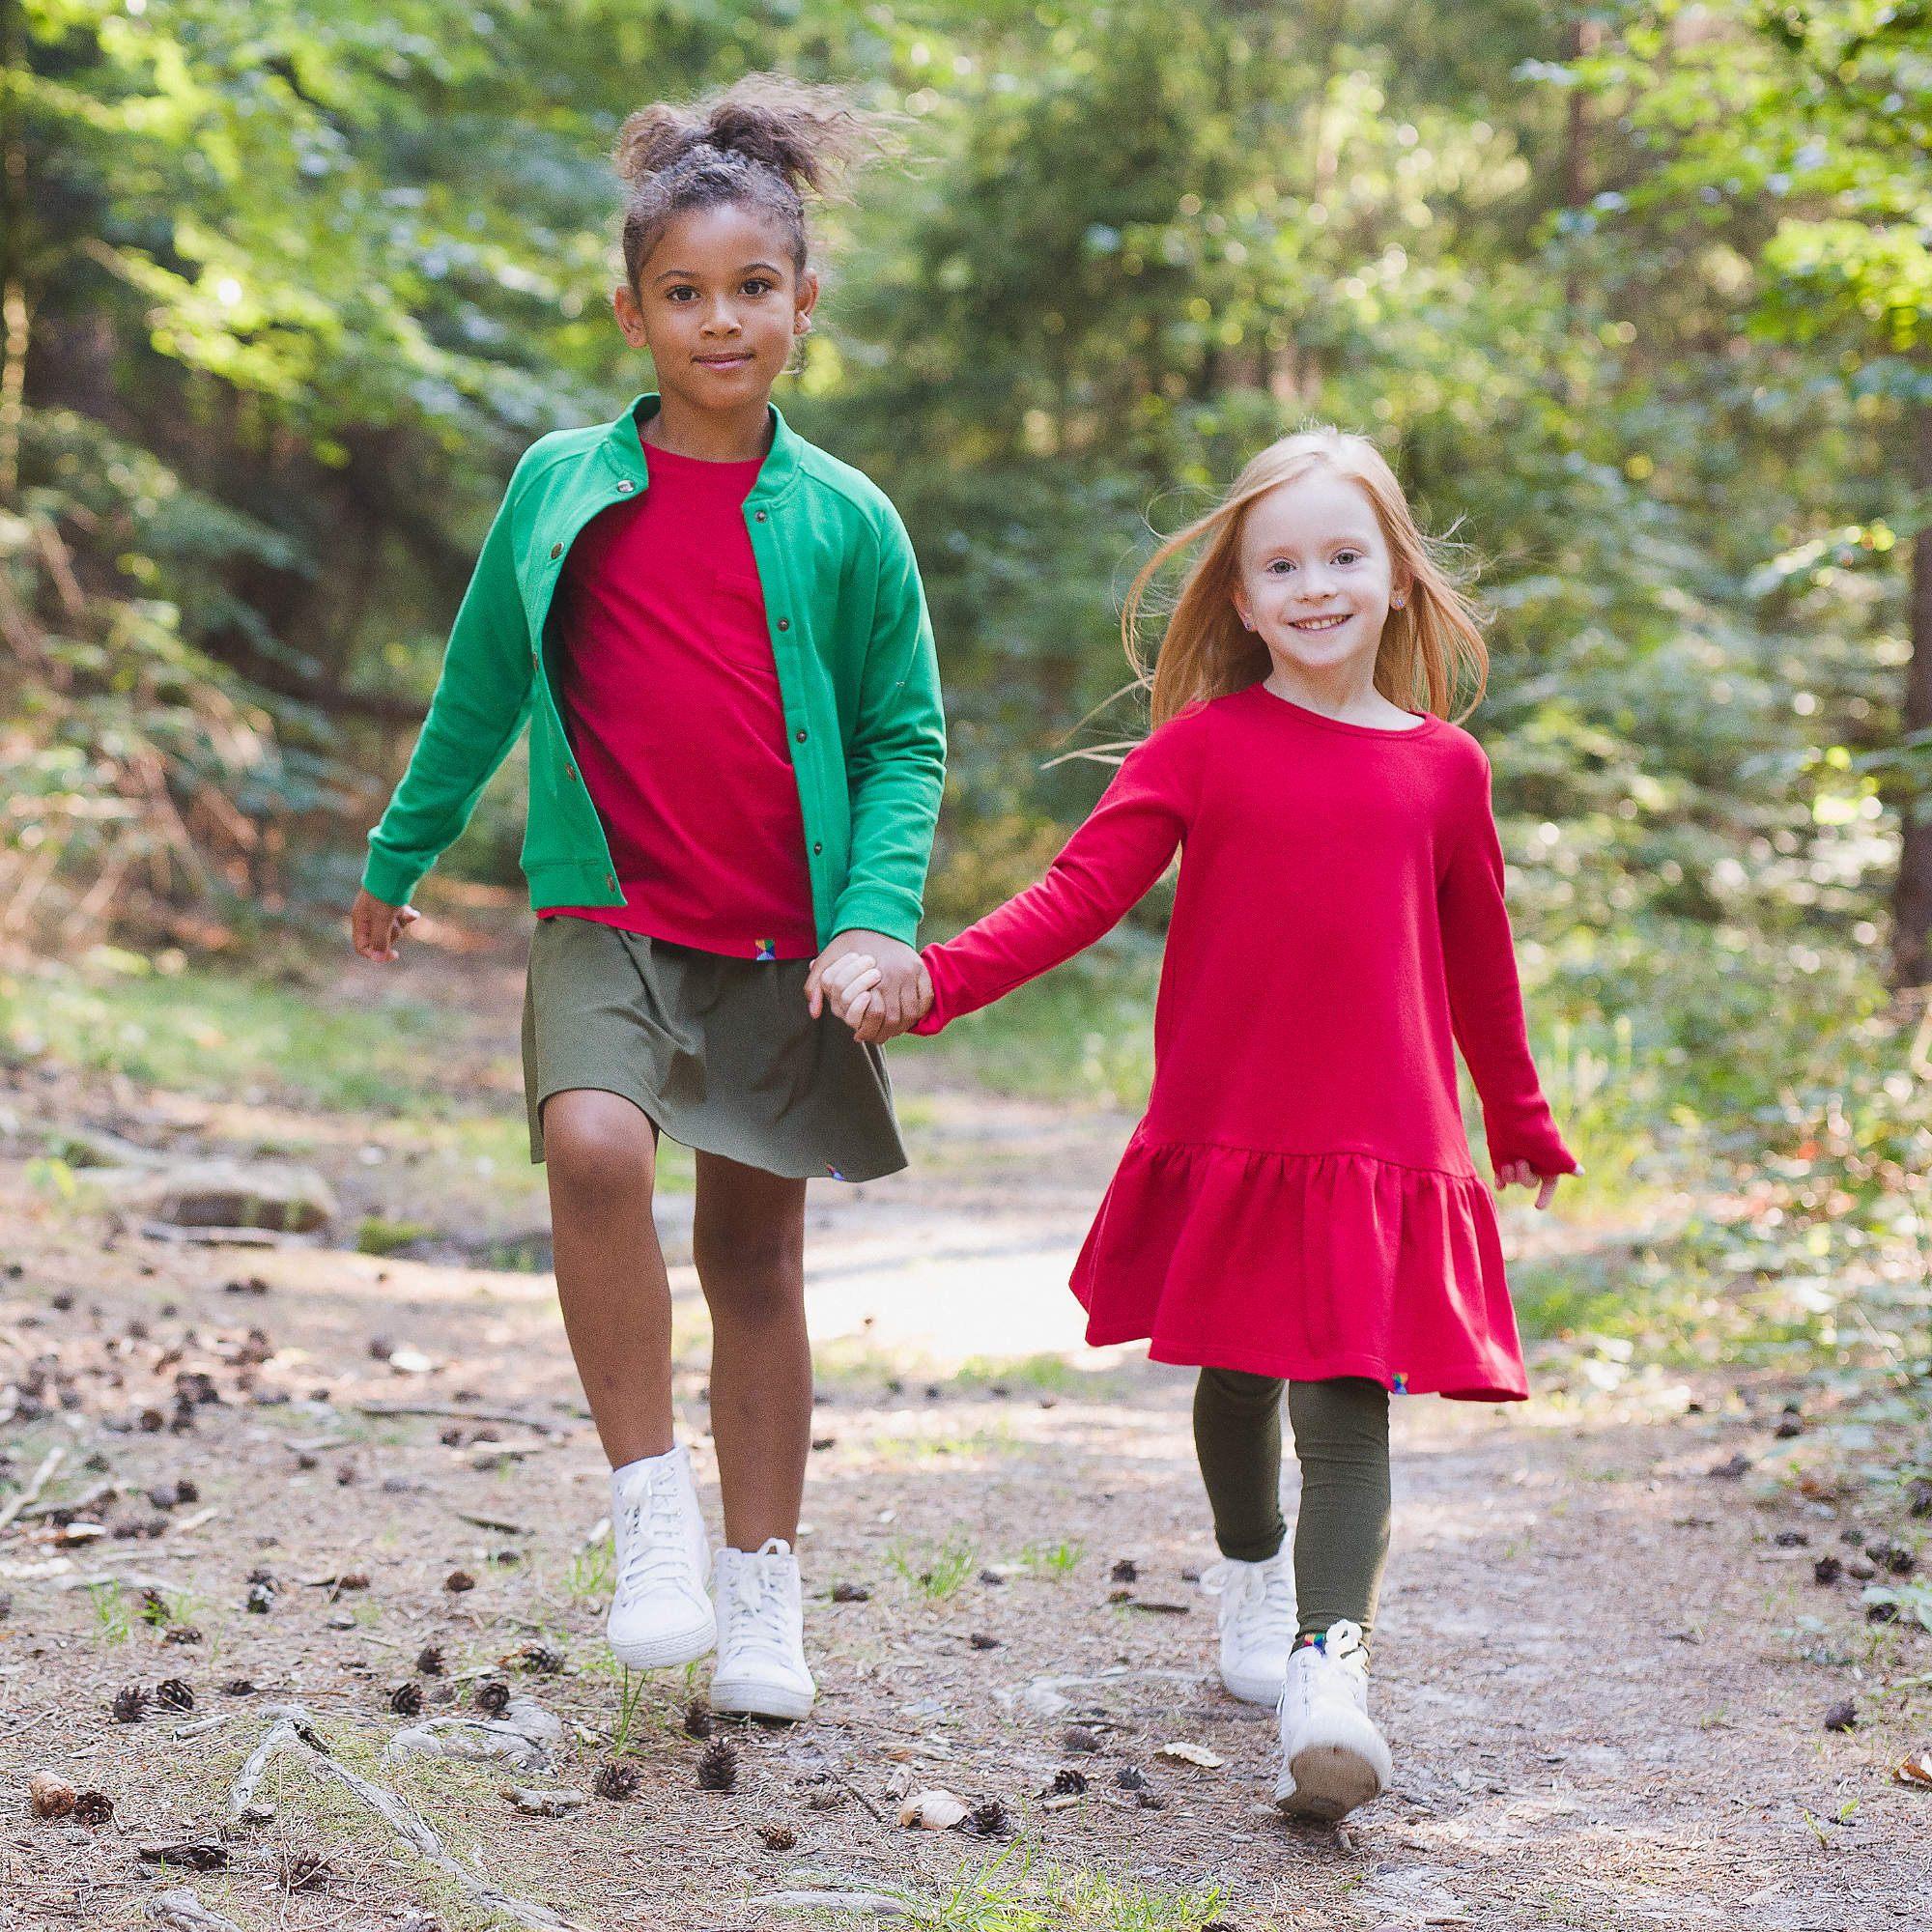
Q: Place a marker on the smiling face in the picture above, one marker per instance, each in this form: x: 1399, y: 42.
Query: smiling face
x: 719, y: 303
x: 1315, y: 578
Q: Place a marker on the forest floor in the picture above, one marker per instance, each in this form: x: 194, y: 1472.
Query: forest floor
x: 1604, y: 1663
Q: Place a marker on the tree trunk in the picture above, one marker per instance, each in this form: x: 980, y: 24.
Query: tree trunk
x: 1912, y: 894
x: 12, y: 251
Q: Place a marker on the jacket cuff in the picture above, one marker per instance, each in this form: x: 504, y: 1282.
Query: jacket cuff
x: 878, y: 909
x: 389, y: 879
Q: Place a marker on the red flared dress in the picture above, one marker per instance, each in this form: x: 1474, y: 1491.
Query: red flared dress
x: 1299, y: 1199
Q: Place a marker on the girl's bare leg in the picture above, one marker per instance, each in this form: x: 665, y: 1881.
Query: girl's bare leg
x: 601, y: 1154
x: 748, y: 1241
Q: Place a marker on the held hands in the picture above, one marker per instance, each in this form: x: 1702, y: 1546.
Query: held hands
x: 878, y: 986
x: 1545, y: 1184
x: 374, y: 927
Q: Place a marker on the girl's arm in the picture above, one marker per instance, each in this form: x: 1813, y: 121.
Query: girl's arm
x: 1486, y: 1003
x: 896, y: 762
x: 1109, y: 863
x: 481, y: 698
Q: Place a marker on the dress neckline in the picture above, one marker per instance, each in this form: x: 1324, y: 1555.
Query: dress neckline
x: 1427, y: 722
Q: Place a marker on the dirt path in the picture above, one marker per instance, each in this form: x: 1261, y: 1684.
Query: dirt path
x: 1603, y: 1681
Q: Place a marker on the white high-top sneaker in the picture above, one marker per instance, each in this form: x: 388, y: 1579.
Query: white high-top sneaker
x: 1332, y: 1756
x: 660, y: 1613
x: 761, y: 1670
x: 1256, y: 1618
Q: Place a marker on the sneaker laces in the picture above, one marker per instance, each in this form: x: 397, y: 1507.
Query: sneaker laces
x: 1257, y: 1594
x: 761, y: 1612
x: 1341, y: 1644
x: 654, y: 1550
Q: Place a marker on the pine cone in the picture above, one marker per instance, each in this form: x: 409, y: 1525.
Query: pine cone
x: 777, y: 1837
x: 182, y: 1633
x: 1126, y: 1571
x: 407, y: 1699
x: 186, y: 1492
x: 1077, y: 1737
x: 93, y: 1808
x: 261, y: 1599
x: 1068, y: 1782
x: 718, y: 1768
x: 697, y: 1721
x: 542, y: 1659
x: 459, y: 1580
x: 303, y: 1871
x: 618, y: 1780
x: 430, y: 1659
x: 990, y: 1820
x: 175, y: 1694
x: 155, y: 1608
x: 130, y: 1704
x: 1130, y: 1777
x: 239, y: 1687
x: 493, y: 1697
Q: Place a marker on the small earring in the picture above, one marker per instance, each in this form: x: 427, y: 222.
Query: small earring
x: 1396, y: 602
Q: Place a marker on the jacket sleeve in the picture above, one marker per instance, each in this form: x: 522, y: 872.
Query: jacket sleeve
x: 1102, y: 870
x: 479, y: 705
x: 1485, y: 999
x: 896, y: 756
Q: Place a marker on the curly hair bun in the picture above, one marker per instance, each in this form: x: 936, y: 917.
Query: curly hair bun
x: 804, y: 134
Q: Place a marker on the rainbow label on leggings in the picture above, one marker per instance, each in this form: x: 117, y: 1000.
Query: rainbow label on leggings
x: 1401, y: 1384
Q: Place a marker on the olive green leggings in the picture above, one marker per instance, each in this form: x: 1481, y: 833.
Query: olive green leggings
x: 1342, y: 1442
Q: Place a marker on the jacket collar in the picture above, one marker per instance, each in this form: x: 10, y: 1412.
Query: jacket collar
x: 776, y: 474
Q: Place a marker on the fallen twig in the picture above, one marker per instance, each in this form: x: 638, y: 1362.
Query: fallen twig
x: 861, y: 1904
x: 182, y: 1908
x: 293, y: 1730
x: 36, y: 1483
x: 456, y: 1411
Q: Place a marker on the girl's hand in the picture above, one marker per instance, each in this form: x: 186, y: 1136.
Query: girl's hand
x: 374, y: 927
x: 851, y: 989
x: 1545, y: 1184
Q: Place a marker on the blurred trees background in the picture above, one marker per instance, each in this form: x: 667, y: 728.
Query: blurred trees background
x: 1638, y: 296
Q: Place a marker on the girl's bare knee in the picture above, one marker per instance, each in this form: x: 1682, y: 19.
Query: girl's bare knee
x: 597, y: 1144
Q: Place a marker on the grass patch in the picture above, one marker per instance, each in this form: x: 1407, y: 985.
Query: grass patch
x: 202, y: 1031
x: 937, y: 1573
x: 1007, y: 1894
x: 1056, y: 1560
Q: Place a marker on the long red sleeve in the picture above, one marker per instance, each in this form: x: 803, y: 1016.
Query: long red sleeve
x: 1486, y: 1002
x: 1109, y: 862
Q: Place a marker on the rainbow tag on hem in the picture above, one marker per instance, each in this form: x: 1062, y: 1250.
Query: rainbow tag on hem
x: 1401, y: 1384
x: 767, y: 949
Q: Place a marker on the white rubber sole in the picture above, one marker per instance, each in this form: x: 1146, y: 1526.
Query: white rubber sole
x: 754, y: 1699
x: 1329, y: 1781
x: 663, y: 1649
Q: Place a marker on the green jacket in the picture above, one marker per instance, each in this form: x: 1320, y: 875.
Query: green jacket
x: 856, y: 668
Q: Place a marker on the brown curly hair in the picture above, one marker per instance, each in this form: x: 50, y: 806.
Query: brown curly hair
x: 765, y: 142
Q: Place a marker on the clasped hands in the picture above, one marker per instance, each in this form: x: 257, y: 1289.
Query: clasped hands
x: 878, y: 986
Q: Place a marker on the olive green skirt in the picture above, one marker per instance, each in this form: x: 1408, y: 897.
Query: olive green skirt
x: 721, y: 1054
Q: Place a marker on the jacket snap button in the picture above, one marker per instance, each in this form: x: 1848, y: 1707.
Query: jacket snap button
x: 817, y: 848
x: 610, y: 881
x: 556, y: 549
x: 625, y: 488
x: 801, y: 737
x: 784, y: 623
x: 760, y: 515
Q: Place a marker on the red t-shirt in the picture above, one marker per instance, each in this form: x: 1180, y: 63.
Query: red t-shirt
x: 671, y: 701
